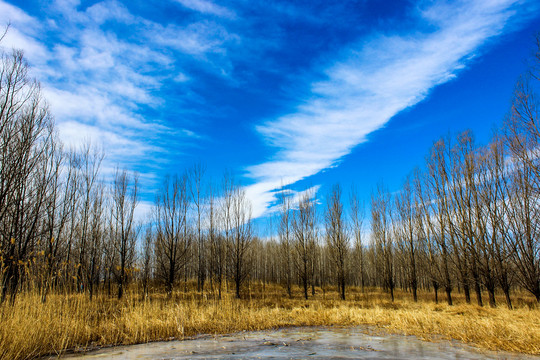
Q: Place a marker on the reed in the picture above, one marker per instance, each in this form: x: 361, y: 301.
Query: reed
x: 31, y: 328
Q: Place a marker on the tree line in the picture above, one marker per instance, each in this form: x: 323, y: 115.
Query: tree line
x: 468, y: 220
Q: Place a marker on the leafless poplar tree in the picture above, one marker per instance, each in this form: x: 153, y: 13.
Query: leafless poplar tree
x: 196, y: 174
x: 146, y: 260
x: 226, y: 218
x: 60, y: 208
x: 406, y: 217
x: 26, y: 146
x: 241, y: 239
x: 285, y: 239
x: 172, y: 242
x: 523, y: 227
x: 381, y: 222
x: 95, y: 242
x: 357, y: 215
x: 467, y: 230
x: 218, y: 248
x: 90, y: 159
x: 437, y: 213
x: 522, y: 138
x: 123, y: 231
x: 493, y: 182
x: 337, y: 238
x: 304, y: 234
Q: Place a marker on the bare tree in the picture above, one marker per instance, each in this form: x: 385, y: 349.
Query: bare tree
x: 60, y: 207
x: 146, y: 260
x: 242, y: 236
x: 304, y: 233
x: 227, y: 225
x: 218, y: 249
x: 406, y: 214
x: 426, y: 227
x: 381, y: 222
x: 26, y: 145
x: 522, y: 133
x: 172, y: 243
x: 285, y: 239
x: 522, y: 138
x: 494, y: 194
x: 357, y: 215
x: 122, y: 228
x: 196, y: 174
x: 337, y: 237
x: 437, y: 216
x: 95, y: 241
x: 523, y: 230
x: 467, y: 227
x: 90, y: 159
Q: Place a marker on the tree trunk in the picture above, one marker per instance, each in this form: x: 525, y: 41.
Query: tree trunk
x: 448, y: 290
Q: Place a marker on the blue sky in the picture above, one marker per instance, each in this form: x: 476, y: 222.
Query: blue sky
x: 305, y: 93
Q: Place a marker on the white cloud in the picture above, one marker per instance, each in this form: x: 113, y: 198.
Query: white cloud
x: 33, y: 50
x: 372, y: 82
x: 98, y: 82
x: 110, y: 10
x: 144, y: 212
x: 207, y: 7
x: 199, y: 38
x: 14, y: 15
x: 22, y: 30
x: 181, y: 77
x: 263, y: 196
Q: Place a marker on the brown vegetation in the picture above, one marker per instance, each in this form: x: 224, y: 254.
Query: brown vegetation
x: 31, y: 328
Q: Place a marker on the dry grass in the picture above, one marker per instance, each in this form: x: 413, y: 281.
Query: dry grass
x: 31, y: 329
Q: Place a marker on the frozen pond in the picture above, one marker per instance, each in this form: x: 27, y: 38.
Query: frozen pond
x: 300, y: 343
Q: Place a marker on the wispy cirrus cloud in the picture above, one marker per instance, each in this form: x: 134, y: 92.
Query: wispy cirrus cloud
x: 372, y: 81
x: 207, y: 7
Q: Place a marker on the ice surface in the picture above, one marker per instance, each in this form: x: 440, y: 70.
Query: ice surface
x: 301, y: 343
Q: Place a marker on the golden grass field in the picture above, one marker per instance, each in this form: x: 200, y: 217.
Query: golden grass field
x: 30, y: 329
